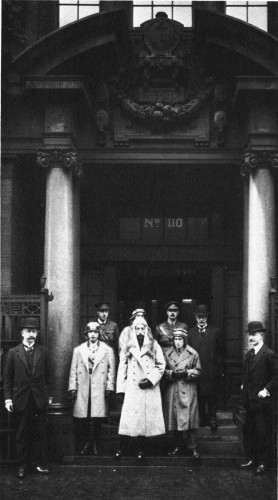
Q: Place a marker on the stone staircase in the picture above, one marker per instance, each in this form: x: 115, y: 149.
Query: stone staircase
x: 220, y: 447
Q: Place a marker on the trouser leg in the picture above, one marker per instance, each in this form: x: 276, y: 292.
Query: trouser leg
x: 250, y: 435
x: 81, y: 432
x: 22, y: 438
x: 191, y: 435
x: 202, y: 408
x: 262, y: 435
x: 141, y: 445
x: 212, y: 406
x: 38, y: 429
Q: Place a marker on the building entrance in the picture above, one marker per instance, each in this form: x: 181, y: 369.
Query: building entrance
x: 151, y: 285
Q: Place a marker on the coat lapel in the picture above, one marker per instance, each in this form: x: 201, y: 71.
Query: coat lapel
x: 36, y: 358
x: 84, y: 354
x: 257, y: 358
x: 21, y: 354
x: 99, y: 356
x: 178, y: 358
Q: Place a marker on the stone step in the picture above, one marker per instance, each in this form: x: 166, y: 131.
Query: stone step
x: 223, y: 430
x: 131, y: 461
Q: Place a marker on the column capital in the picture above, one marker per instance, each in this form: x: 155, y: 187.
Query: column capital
x: 254, y: 159
x: 61, y: 158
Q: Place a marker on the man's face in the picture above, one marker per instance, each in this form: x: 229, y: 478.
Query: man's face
x: 139, y: 315
x: 179, y: 342
x: 93, y: 336
x: 201, y: 319
x: 29, y: 335
x: 172, y: 314
x: 103, y: 314
x: 255, y: 338
x: 140, y: 330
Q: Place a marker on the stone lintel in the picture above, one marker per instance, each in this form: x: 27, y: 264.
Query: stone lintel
x: 60, y: 158
x: 254, y: 87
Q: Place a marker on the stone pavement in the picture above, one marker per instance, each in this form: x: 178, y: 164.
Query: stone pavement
x: 198, y: 482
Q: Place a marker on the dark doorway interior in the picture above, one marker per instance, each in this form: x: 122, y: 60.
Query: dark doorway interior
x: 151, y: 285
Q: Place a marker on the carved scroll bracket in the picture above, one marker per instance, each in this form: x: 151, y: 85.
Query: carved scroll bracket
x: 257, y: 159
x: 62, y: 158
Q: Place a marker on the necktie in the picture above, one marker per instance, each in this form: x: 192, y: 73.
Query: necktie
x: 252, y: 353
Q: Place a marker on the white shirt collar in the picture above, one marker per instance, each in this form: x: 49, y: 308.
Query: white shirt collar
x: 101, y: 322
x: 258, y: 347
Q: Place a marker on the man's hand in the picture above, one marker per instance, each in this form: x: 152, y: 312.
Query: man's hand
x: 263, y: 394
x: 72, y: 395
x: 145, y: 384
x: 9, y: 406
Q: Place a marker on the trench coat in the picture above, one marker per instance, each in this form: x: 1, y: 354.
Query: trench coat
x: 101, y: 379
x: 142, y: 413
x: 210, y: 349
x: 180, y: 403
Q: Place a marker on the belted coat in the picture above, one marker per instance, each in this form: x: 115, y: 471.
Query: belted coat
x: 142, y: 413
x: 101, y: 379
x: 180, y: 403
x: 164, y: 333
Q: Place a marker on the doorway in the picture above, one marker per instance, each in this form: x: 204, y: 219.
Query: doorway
x: 152, y: 285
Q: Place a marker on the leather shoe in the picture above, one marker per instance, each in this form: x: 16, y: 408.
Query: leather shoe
x: 21, y: 473
x: 95, y: 449
x: 195, y: 453
x: 260, y: 469
x: 140, y: 455
x: 247, y: 465
x: 41, y: 470
x: 176, y: 451
x: 119, y: 454
x: 86, y: 449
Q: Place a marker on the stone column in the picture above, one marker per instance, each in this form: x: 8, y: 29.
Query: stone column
x: 261, y: 252
x: 62, y: 268
x: 245, y: 266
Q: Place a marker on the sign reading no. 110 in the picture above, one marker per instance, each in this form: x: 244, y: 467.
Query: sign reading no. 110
x: 170, y: 222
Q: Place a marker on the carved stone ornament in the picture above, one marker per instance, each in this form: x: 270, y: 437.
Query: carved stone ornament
x: 160, y: 115
x: 255, y: 159
x: 49, y: 158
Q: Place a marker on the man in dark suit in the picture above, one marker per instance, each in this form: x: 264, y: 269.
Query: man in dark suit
x: 207, y: 341
x: 26, y: 377
x: 109, y: 332
x: 259, y: 386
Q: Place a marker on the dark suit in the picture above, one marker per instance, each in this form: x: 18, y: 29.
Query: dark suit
x: 209, y: 346
x: 25, y: 383
x: 259, y: 372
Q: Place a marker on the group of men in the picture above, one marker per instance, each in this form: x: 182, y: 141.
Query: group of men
x: 27, y: 372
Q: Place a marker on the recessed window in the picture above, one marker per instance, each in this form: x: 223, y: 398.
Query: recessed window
x: 178, y: 10
x: 251, y: 12
x: 72, y: 10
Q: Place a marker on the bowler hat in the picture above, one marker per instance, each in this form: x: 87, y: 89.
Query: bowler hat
x: 103, y: 306
x: 92, y: 326
x: 255, y: 326
x: 180, y: 332
x: 31, y: 323
x: 173, y: 305
x: 201, y: 310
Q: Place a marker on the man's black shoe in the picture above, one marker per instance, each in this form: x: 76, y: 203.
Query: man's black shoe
x: 195, y: 453
x: 86, y: 449
x: 119, y: 454
x: 213, y: 425
x: 41, y: 470
x: 21, y: 473
x: 175, y: 452
x: 247, y: 465
x: 140, y: 455
x: 260, y: 469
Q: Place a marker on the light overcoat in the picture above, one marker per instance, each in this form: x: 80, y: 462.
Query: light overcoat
x: 180, y: 403
x: 142, y: 413
x: 101, y: 379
